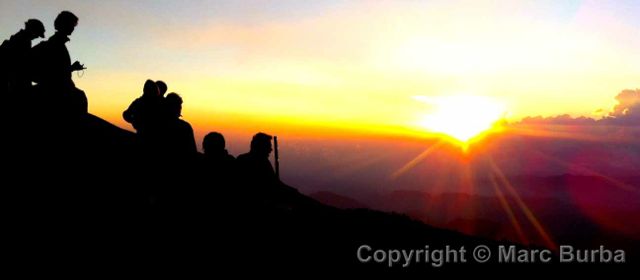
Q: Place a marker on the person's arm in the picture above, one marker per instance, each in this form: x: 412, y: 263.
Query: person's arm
x: 129, y: 114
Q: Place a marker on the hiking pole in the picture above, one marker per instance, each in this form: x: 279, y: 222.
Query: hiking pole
x: 275, y: 156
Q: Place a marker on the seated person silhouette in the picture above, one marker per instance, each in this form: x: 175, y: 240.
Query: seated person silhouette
x: 162, y: 88
x: 52, y: 70
x: 15, y: 76
x: 146, y: 112
x: 219, y: 168
x: 256, y: 174
x: 177, y: 134
x: 254, y: 167
x: 52, y: 63
x: 216, y: 157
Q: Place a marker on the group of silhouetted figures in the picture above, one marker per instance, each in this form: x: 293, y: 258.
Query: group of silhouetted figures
x: 78, y: 191
x: 47, y: 65
x: 77, y: 181
x: 37, y: 82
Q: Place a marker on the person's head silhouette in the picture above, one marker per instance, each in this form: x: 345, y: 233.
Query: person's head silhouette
x: 213, y: 143
x: 150, y: 89
x: 162, y: 87
x: 65, y: 22
x: 261, y: 144
x: 173, y: 102
x: 34, y: 28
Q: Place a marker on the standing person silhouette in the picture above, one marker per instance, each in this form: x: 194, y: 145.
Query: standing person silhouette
x: 15, y: 77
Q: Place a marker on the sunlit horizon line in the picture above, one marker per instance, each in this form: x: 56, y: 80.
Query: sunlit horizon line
x: 349, y: 129
x: 465, y: 145
x: 342, y: 130
x: 462, y: 116
x: 311, y: 127
x: 535, y: 131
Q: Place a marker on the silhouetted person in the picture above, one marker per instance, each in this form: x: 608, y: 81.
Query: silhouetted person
x: 15, y: 74
x: 256, y: 175
x: 254, y: 167
x: 219, y: 163
x: 162, y: 87
x: 255, y: 172
x: 53, y: 63
x: 147, y: 111
x: 178, y: 140
x: 214, y: 148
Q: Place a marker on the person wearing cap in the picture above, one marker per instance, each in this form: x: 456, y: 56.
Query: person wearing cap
x: 15, y: 52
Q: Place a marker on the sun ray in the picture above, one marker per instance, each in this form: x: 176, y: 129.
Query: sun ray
x: 614, y: 195
x: 509, y: 211
x: 523, y: 206
x: 590, y: 172
x: 439, y: 187
x: 467, y: 187
x: 415, y: 161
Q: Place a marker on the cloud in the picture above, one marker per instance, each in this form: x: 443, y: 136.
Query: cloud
x: 558, y: 120
x: 625, y: 113
x: 620, y: 125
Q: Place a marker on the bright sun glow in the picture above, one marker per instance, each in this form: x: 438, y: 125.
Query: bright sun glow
x: 462, y: 117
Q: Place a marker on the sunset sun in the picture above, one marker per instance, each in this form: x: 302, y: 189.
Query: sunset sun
x: 461, y: 117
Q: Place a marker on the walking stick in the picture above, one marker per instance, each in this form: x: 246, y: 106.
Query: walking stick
x: 276, y: 157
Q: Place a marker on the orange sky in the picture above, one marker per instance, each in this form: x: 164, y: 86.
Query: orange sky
x: 288, y: 67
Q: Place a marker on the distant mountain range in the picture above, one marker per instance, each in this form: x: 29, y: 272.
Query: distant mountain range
x: 583, y: 210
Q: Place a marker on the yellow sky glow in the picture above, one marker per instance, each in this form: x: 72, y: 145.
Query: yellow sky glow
x: 462, y: 117
x: 361, y: 64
